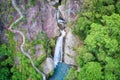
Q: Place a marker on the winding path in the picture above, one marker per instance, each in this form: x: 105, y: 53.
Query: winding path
x: 23, y: 39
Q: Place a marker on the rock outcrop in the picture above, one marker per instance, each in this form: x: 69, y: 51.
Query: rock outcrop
x: 48, y: 66
x: 41, y: 19
x: 69, y: 9
x: 39, y: 50
x: 71, y: 42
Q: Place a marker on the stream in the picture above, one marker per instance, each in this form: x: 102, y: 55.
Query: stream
x: 59, y: 49
x: 60, y: 68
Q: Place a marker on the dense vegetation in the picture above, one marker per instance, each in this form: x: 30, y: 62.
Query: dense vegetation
x: 14, y: 65
x: 99, y: 28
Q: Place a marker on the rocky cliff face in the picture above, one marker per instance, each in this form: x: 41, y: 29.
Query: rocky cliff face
x: 69, y: 10
x: 71, y: 42
x: 41, y: 18
x: 44, y: 20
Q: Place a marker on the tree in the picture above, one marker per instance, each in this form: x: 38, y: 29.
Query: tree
x: 72, y: 74
x: 4, y: 50
x: 118, y: 7
x: 91, y: 71
x: 84, y: 56
x: 5, y: 74
x: 100, y: 37
x: 82, y: 27
x: 112, y: 69
x: 5, y: 62
x: 100, y: 29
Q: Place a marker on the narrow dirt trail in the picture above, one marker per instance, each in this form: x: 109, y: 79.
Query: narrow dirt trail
x: 23, y: 38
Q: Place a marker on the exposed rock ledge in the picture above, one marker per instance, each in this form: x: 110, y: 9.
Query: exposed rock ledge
x: 48, y: 66
x: 71, y: 42
x: 40, y: 18
x: 69, y: 9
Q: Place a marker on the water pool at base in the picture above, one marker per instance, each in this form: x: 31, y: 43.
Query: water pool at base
x: 60, y: 71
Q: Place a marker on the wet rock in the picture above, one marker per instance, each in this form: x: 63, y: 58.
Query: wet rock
x: 71, y: 42
x: 61, y: 26
x: 69, y: 9
x: 48, y: 66
x: 53, y: 2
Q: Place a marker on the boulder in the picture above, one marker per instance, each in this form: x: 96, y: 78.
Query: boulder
x: 53, y: 2
x: 39, y: 50
x: 48, y: 66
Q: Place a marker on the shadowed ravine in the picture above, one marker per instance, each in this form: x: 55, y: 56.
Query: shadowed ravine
x: 60, y: 68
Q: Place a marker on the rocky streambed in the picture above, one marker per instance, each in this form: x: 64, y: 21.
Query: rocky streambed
x: 68, y: 11
x: 69, y: 55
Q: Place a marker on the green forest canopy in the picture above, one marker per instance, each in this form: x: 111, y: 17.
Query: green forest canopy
x: 99, y: 27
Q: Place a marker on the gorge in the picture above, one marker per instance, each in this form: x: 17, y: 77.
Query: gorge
x: 59, y: 39
x: 28, y: 28
x: 61, y: 68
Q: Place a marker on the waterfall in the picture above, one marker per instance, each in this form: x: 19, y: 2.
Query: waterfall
x: 59, y: 49
x: 60, y: 20
x: 59, y: 45
x: 60, y: 68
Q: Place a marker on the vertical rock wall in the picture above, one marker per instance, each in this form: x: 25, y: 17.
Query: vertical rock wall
x: 69, y: 10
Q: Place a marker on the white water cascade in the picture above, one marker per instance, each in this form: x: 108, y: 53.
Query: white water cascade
x: 59, y: 45
x: 60, y: 68
x: 59, y: 49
